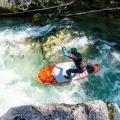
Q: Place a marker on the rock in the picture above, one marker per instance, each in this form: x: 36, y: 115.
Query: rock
x: 15, y: 5
x: 51, y: 46
x: 78, y: 6
x: 98, y: 110
x: 22, y: 5
x: 92, y: 110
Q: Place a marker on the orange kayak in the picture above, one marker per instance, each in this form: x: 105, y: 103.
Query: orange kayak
x: 54, y: 74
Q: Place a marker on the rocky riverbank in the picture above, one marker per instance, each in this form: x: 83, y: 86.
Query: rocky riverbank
x: 92, y: 110
x: 24, y: 5
x: 71, y: 6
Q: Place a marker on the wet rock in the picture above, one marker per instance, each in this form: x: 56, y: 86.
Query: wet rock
x: 51, y: 45
x: 93, y: 110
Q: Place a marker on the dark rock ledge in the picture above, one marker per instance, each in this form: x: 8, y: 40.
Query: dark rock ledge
x: 92, y: 110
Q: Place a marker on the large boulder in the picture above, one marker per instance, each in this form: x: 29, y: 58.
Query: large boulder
x: 22, y: 5
x: 93, y: 110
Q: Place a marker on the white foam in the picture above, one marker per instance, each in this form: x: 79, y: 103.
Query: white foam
x: 14, y: 91
x: 76, y: 42
x: 7, y: 75
x: 81, y: 42
x: 18, y: 35
x: 116, y: 56
x: 2, y: 53
x: 71, y: 94
x: 16, y: 82
x: 19, y: 50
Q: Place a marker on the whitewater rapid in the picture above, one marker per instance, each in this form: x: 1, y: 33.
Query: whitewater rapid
x: 20, y: 60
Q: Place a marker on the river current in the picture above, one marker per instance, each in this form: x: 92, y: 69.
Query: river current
x: 21, y: 57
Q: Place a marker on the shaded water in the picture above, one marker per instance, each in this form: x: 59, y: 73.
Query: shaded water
x: 20, y: 60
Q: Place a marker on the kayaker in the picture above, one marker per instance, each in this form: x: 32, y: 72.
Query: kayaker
x: 77, y: 59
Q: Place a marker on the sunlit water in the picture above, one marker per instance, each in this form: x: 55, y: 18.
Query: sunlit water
x: 20, y: 60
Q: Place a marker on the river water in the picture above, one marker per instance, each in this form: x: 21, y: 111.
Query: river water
x: 21, y: 57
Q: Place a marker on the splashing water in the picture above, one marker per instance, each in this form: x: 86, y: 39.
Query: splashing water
x: 18, y: 66
x: 19, y: 63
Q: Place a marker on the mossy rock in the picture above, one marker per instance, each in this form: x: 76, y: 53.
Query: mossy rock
x: 4, y: 10
x: 111, y: 111
x: 39, y: 18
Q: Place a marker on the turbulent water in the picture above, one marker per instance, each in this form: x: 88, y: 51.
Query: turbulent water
x: 21, y: 58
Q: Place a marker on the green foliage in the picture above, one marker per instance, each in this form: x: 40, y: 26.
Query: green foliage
x: 111, y: 111
x: 37, y: 18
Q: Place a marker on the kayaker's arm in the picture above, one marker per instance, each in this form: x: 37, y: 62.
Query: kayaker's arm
x: 64, y: 51
x: 67, y: 53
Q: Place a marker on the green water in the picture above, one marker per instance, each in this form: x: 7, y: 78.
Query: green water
x: 20, y: 60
